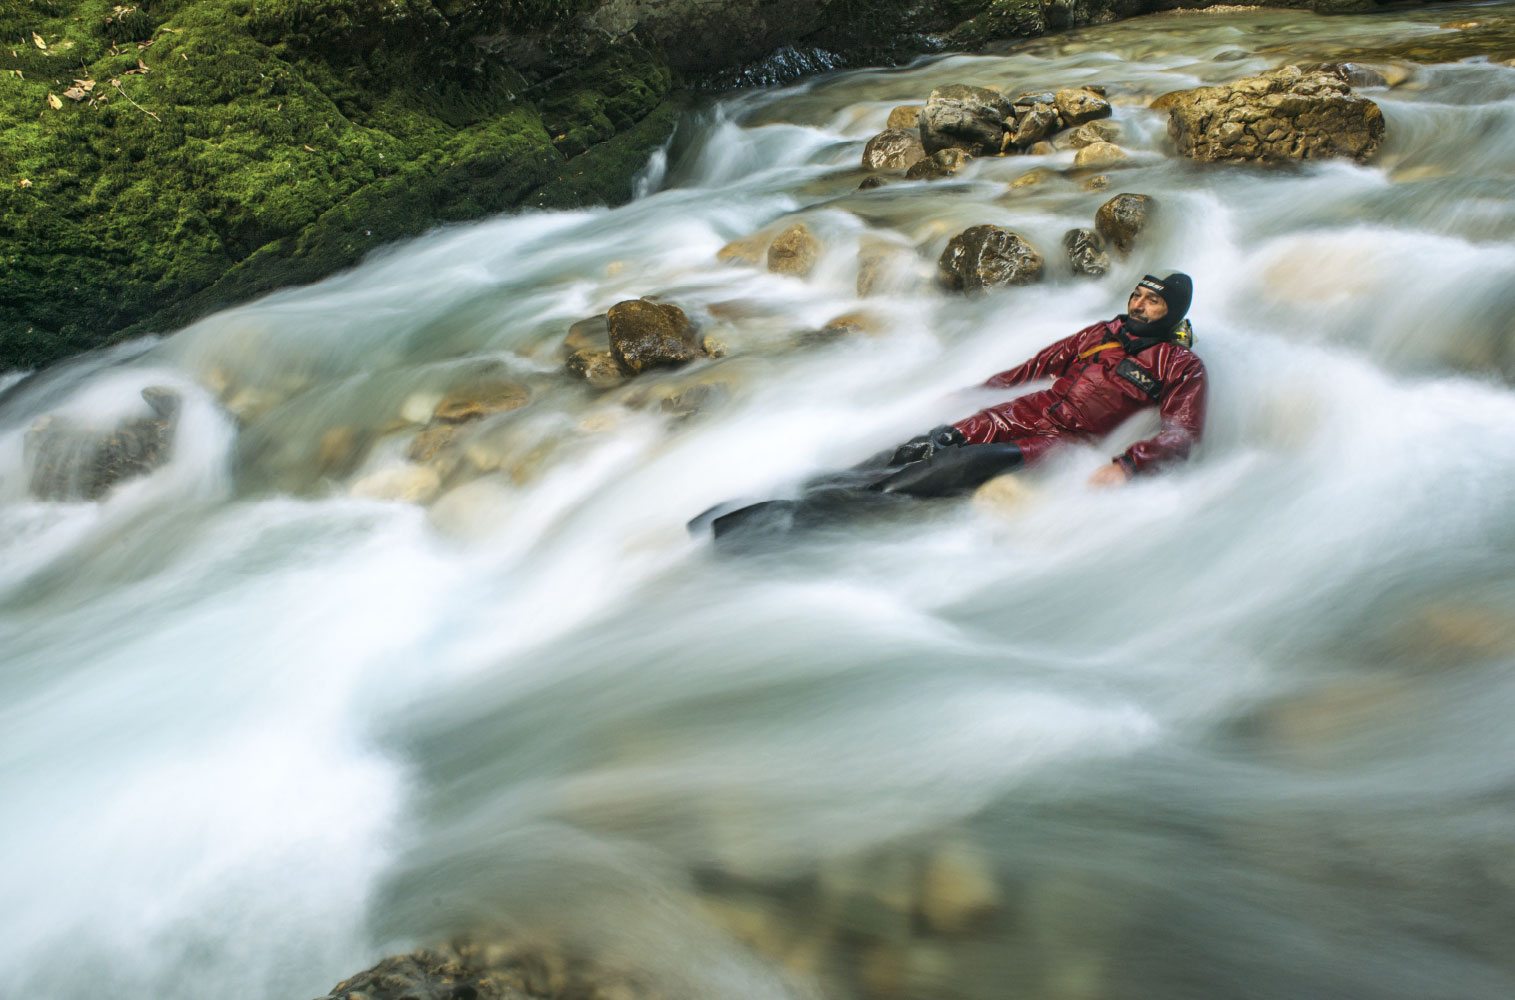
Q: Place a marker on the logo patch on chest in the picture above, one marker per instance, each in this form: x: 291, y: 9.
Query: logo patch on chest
x: 1140, y: 377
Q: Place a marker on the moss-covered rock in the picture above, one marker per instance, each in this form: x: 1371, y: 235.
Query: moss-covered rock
x: 160, y: 163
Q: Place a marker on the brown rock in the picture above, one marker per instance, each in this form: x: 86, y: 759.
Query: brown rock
x: 1097, y: 183
x: 1287, y: 114
x: 871, y: 181
x: 987, y: 256
x: 1081, y: 105
x: 973, y: 119
x: 793, y: 251
x: 599, y: 368
x: 1099, y: 156
x: 1090, y: 133
x: 880, y: 268
x: 1033, y: 178
x: 696, y: 399
x: 645, y: 334
x: 1086, y: 252
x: 893, y: 149
x: 592, y: 334
x: 1043, y: 148
x: 747, y: 250
x: 426, y: 445
x: 1167, y: 100
x: 1121, y: 220
x: 905, y: 117
x: 480, y: 399
x: 942, y: 163
x: 1036, y: 124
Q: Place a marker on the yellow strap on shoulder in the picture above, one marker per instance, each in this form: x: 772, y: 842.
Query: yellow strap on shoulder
x: 1095, y: 350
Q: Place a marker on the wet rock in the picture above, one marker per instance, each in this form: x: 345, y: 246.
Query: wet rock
x: 846, y: 325
x: 872, y: 181
x: 793, y: 251
x: 1090, y: 133
x: 1166, y: 101
x: 419, y: 406
x: 942, y: 163
x: 1043, y: 148
x: 68, y: 462
x: 696, y: 399
x: 958, y: 890
x: 1099, y: 156
x: 1004, y: 496
x: 1080, y: 105
x: 988, y: 256
x: 1034, y: 178
x: 430, y: 442
x: 881, y: 268
x: 480, y: 399
x: 747, y: 250
x: 1352, y: 74
x: 599, y: 368
x: 905, y: 117
x: 339, y: 449
x: 475, y: 509
x: 1096, y: 183
x: 871, y: 894
x: 893, y: 149
x: 973, y: 119
x: 1284, y: 115
x: 1121, y: 220
x: 645, y: 334
x: 592, y: 334
x: 495, y: 971
x: 714, y: 347
x: 407, y: 483
x: 1086, y: 253
x: 1036, y: 124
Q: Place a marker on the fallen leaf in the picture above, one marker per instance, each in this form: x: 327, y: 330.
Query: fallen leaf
x: 87, y: 84
x: 310, y: 149
x: 23, y: 183
x: 143, y: 66
x: 40, y: 43
x: 54, y: 101
x: 75, y: 93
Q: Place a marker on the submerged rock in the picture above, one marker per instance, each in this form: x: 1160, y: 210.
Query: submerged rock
x: 68, y: 462
x: 1086, y: 253
x: 793, y: 251
x: 1287, y: 114
x: 905, y: 117
x: 893, y: 149
x: 973, y: 119
x: 1121, y: 220
x: 480, y: 399
x: 599, y: 368
x: 987, y: 256
x: 506, y: 971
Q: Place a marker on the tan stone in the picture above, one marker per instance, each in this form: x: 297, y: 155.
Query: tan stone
x: 1033, y: 178
x: 480, y: 399
x: 645, y: 334
x: 419, y: 406
x: 893, y: 149
x: 425, y: 445
x: 599, y: 368
x: 747, y: 250
x: 942, y: 163
x: 905, y: 117
x: 793, y: 251
x: 592, y: 334
x: 1097, y: 183
x: 337, y: 451
x: 407, y: 483
x: 1090, y: 133
x: 1004, y: 496
x: 959, y: 891
x: 1079, y: 105
x: 1099, y: 156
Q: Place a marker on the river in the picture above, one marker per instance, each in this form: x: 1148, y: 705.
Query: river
x: 1238, y: 731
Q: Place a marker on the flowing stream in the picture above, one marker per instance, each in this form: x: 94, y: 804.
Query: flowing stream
x: 1238, y: 731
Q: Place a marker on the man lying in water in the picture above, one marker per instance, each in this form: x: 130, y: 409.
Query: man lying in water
x: 1103, y: 375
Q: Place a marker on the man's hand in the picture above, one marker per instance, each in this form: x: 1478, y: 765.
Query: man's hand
x: 1111, y: 474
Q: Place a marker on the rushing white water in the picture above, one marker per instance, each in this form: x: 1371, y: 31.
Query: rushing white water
x: 1239, y: 731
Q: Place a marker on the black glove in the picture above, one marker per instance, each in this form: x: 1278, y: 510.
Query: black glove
x: 923, y: 447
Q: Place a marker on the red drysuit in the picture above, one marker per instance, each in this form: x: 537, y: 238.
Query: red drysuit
x: 1095, y: 391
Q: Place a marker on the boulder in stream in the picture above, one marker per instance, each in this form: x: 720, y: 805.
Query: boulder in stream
x: 1288, y: 114
x: 942, y: 163
x: 1035, y: 124
x: 893, y: 149
x: 973, y: 119
x: 1099, y: 156
x: 906, y: 117
x: 1086, y: 253
x: 987, y: 256
x: 645, y: 334
x: 1078, y: 105
x: 68, y: 462
x: 1121, y: 220
x: 480, y: 399
x: 793, y: 251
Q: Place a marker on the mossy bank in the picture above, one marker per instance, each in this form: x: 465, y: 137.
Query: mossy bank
x: 162, y: 160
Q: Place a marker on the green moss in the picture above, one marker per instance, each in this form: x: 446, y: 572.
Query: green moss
x: 258, y: 144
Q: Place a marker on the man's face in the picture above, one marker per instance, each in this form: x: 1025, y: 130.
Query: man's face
x: 1146, y: 305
